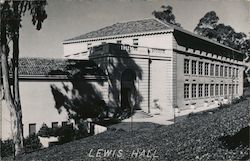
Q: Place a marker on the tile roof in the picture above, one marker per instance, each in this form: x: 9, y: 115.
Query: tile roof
x: 130, y: 27
x: 51, y: 66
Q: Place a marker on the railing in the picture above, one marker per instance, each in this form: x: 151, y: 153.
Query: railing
x: 129, y: 48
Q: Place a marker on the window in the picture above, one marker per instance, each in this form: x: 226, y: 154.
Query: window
x: 200, y: 68
x: 135, y: 42
x: 193, y: 67
x: 225, y: 71
x: 89, y: 45
x: 221, y: 71
x: 200, y: 90
x: 233, y: 89
x: 212, y: 90
x: 54, y: 125
x: 225, y: 89
x: 32, y: 129
x: 119, y: 41
x: 216, y: 89
x: 64, y: 123
x: 230, y: 88
x: 217, y: 70
x: 237, y: 73
x: 221, y: 89
x: 206, y: 68
x: 237, y: 89
x: 186, y: 66
x: 229, y: 72
x: 186, y: 90
x: 233, y: 72
x: 193, y: 90
x: 206, y: 90
x: 212, y: 70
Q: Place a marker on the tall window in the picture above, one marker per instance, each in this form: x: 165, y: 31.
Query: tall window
x: 200, y: 68
x: 221, y: 71
x: 233, y: 88
x: 186, y: 90
x: 237, y: 73
x: 212, y: 90
x: 193, y: 67
x: 54, y: 124
x: 216, y: 89
x: 225, y: 89
x: 217, y: 70
x: 233, y: 72
x: 229, y: 71
x: 237, y: 89
x: 212, y: 70
x: 230, y: 88
x: 206, y: 68
x: 225, y: 71
x: 32, y: 129
x: 221, y: 89
x: 186, y: 66
x: 135, y: 42
x: 200, y: 90
x: 193, y: 90
x: 206, y: 90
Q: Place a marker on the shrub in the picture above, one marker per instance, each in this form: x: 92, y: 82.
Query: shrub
x: 32, y: 143
x: 7, y: 148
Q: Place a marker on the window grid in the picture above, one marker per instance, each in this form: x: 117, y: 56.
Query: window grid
x: 206, y: 90
x: 212, y: 70
x: 200, y: 90
x: 186, y: 66
x: 221, y: 89
x: 216, y: 89
x: 193, y: 90
x: 206, y: 68
x: 200, y: 68
x: 221, y: 71
x: 186, y: 90
x: 216, y: 70
x: 212, y: 90
x: 193, y: 67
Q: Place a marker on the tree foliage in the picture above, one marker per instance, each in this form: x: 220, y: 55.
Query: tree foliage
x: 11, y: 13
x: 210, y: 27
x: 166, y: 15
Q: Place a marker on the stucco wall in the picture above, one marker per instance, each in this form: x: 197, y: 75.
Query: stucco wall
x: 38, y: 105
x: 163, y: 42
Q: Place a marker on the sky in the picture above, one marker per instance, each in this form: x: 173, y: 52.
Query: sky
x: 70, y: 18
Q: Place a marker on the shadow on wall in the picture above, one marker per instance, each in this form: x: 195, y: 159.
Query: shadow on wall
x: 123, y: 77
x: 81, y: 99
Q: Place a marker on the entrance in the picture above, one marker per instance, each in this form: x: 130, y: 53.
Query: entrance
x: 128, y: 90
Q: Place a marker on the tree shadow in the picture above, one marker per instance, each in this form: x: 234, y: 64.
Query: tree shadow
x: 83, y: 96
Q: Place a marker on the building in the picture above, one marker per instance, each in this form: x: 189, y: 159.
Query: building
x: 37, y: 79
x: 168, y: 66
x: 146, y: 64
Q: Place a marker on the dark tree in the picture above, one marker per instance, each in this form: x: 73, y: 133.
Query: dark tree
x: 11, y: 13
x: 166, y: 15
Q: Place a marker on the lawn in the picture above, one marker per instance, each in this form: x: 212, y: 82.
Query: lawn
x: 213, y: 135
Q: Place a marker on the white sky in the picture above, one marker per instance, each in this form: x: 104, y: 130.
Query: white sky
x: 70, y: 18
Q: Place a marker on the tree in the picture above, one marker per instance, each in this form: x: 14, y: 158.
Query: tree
x: 11, y: 13
x: 166, y: 15
x: 209, y: 27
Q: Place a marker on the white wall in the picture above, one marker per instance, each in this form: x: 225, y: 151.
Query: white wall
x: 164, y: 41
x: 38, y: 105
